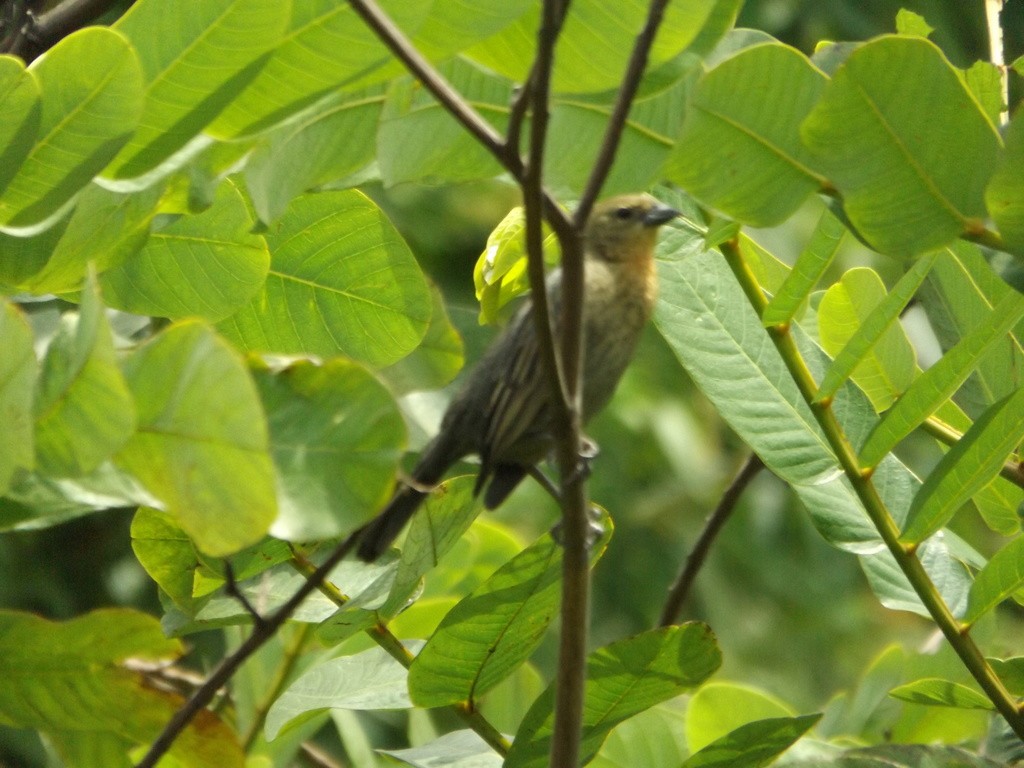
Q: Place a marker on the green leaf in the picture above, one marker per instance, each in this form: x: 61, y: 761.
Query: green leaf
x: 69, y: 678
x: 874, y: 327
x: 935, y: 385
x: 325, y: 47
x: 436, y: 361
x: 305, y: 152
x: 910, y: 23
x: 985, y: 81
x: 1005, y: 192
x: 718, y: 709
x: 500, y: 274
x: 889, y: 365
x: 814, y: 259
x: 958, y: 297
x: 91, y: 85
x: 84, y: 411
x: 601, y: 37
x: 623, y: 679
x: 493, y: 630
x: 458, y: 748
x: 19, y: 104
x: 104, y: 230
x: 740, y: 151
x: 886, y: 132
x: 419, y: 140
x: 342, y: 281
x: 913, y: 756
x: 166, y: 552
x: 335, y: 435
x: 208, y: 265
x: 941, y: 693
x: 753, y: 745
x: 1011, y: 672
x: 17, y: 381
x: 968, y: 467
x: 941, y: 556
x: 216, y: 48
x: 368, y: 680
x: 651, y: 738
x: 436, y: 527
x: 1001, y: 577
x: 201, y: 445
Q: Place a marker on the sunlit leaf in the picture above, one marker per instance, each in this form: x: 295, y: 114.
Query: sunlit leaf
x: 885, y: 142
x: 941, y: 693
x: 17, y: 381
x: 1001, y: 577
x: 201, y: 445
x: 19, y: 104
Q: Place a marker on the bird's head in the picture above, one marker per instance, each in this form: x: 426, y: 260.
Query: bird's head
x: 624, y: 228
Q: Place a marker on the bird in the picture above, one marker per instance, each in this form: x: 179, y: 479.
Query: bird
x: 503, y: 412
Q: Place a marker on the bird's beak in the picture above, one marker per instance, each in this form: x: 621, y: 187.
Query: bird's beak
x: 659, y: 215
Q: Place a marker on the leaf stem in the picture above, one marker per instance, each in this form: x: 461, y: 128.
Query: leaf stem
x: 292, y: 651
x: 957, y: 635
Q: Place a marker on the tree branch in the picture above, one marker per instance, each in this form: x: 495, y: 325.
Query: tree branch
x: 617, y: 122
x: 260, y: 634
x: 681, y: 588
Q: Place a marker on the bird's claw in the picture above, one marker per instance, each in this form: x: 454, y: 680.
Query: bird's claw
x: 595, y: 530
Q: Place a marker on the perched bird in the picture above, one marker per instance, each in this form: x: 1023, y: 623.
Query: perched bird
x: 503, y: 412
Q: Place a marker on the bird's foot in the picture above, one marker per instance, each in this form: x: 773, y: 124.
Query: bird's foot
x: 595, y: 530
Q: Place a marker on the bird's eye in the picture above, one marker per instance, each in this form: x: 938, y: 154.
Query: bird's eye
x: 623, y: 213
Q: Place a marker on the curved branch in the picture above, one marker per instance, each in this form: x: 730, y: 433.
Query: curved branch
x: 681, y: 588
x: 617, y: 122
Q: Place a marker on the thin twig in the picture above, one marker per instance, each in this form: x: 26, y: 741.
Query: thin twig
x: 681, y: 589
x: 516, y: 116
x: 617, y: 122
x: 260, y: 634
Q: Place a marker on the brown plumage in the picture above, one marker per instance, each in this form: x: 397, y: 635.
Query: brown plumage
x: 503, y: 412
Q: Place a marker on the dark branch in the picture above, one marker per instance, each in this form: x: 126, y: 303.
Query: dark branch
x: 260, y: 634
x: 681, y: 589
x: 617, y: 122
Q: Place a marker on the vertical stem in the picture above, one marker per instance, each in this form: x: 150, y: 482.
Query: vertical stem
x: 995, y: 47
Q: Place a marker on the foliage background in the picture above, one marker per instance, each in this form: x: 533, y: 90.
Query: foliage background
x: 793, y: 615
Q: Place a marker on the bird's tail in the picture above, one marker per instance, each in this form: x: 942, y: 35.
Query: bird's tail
x: 378, y: 534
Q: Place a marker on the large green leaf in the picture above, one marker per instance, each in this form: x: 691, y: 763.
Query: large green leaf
x: 91, y: 84
x: 196, y: 57
x: 17, y: 380
x: 493, y: 630
x: 906, y: 145
x: 306, y: 152
x: 69, y: 679
x: 84, y: 411
x: 201, y: 445
x: 870, y: 330
x: 753, y: 745
x: 814, y: 259
x: 740, y: 150
x: 595, y: 42
x: 368, y: 680
x: 889, y: 365
x: 935, y: 385
x: 335, y: 435
x: 104, y: 230
x: 623, y: 679
x: 718, y: 709
x: 204, y: 265
x: 419, y: 140
x: 19, y: 104
x: 941, y: 693
x: 1002, y: 575
x: 342, y: 281
x: 973, y: 463
x: 958, y: 296
x: 326, y: 46
x: 1005, y: 192
x: 437, y: 359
